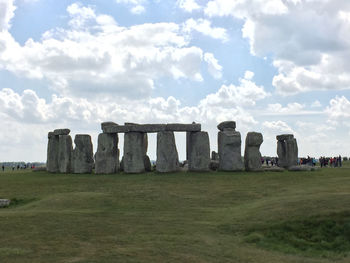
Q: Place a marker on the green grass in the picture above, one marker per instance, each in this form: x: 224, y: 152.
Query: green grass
x: 182, y: 217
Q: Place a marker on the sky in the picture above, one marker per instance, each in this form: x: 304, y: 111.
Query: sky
x: 273, y: 66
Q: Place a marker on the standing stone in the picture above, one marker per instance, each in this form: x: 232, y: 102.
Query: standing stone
x: 199, y: 151
x: 167, y: 156
x: 287, y: 150
x: 214, y: 156
x: 65, y: 153
x: 229, y: 148
x: 134, y: 152
x: 252, y: 155
x: 52, y: 153
x: 107, y: 155
x: 83, y: 160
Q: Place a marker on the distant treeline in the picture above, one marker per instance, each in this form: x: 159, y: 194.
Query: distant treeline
x: 22, y: 164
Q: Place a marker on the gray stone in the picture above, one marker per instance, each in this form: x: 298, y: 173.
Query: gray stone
x: 148, y: 128
x: 252, y: 155
x: 273, y: 169
x: 287, y: 151
x: 107, y: 155
x: 179, y: 127
x: 214, y: 156
x: 199, y: 151
x: 122, y: 164
x: 214, y: 165
x: 61, y: 132
x: 52, y: 153
x: 107, y: 124
x: 300, y: 168
x: 167, y: 156
x: 83, y: 156
x: 134, y: 152
x: 65, y: 154
x: 227, y: 125
x: 147, y: 162
x: 284, y: 137
x: 4, y: 202
x: 229, y: 148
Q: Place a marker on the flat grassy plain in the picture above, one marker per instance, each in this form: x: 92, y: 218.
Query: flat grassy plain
x: 181, y: 217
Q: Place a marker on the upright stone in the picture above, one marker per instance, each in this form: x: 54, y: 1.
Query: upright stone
x: 134, y: 152
x: 65, y: 154
x: 199, y: 151
x: 229, y: 148
x: 252, y: 155
x: 167, y: 156
x: 107, y: 155
x: 83, y: 160
x: 52, y: 153
x: 287, y: 150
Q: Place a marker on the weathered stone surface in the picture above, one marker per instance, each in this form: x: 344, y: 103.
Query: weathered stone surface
x: 214, y: 156
x: 227, y: 125
x: 4, y: 202
x: 107, y: 155
x: 273, y: 169
x: 145, y: 128
x: 122, y: 164
x: 284, y: 137
x: 83, y: 156
x: 229, y: 147
x: 107, y: 124
x: 167, y: 156
x: 147, y: 162
x: 179, y: 127
x: 214, y: 165
x: 52, y: 153
x: 287, y: 151
x: 199, y: 151
x: 134, y: 149
x: 61, y: 132
x: 252, y: 155
x: 65, y: 154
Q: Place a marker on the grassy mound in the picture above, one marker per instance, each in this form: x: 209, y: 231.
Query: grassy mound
x: 320, y: 236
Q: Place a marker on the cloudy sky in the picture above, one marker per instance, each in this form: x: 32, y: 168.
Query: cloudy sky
x: 273, y: 66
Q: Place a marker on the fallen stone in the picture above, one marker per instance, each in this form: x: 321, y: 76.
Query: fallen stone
x: 227, y: 125
x: 4, y: 203
x: 134, y: 148
x: 252, y: 155
x: 284, y: 137
x: 61, y: 132
x: 107, y: 155
x: 273, y: 169
x: 65, y: 154
x: 52, y: 153
x: 229, y: 148
x: 199, y: 152
x: 167, y: 156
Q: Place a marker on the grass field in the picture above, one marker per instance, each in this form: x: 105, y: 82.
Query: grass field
x: 183, y: 217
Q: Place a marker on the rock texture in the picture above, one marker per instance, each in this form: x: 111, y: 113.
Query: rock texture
x: 65, y: 154
x: 167, y: 156
x: 4, y: 203
x: 199, y: 151
x: 227, y: 125
x: 52, y: 153
x: 107, y: 155
x: 252, y: 155
x: 61, y: 132
x: 83, y: 156
x: 287, y: 150
x: 229, y: 148
x: 144, y: 128
x: 134, y: 152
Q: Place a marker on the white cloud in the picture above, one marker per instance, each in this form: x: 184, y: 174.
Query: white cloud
x: 96, y: 57
x: 308, y: 40
x: 204, y: 26
x: 136, y: 6
x: 316, y: 104
x: 7, y: 9
x: 188, y: 5
x: 277, y: 127
x: 339, y: 108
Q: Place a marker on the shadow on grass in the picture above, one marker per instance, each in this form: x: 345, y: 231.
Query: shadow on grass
x: 317, y: 236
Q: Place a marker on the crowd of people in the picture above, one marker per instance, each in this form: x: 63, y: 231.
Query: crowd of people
x: 331, y: 161
x: 13, y: 167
